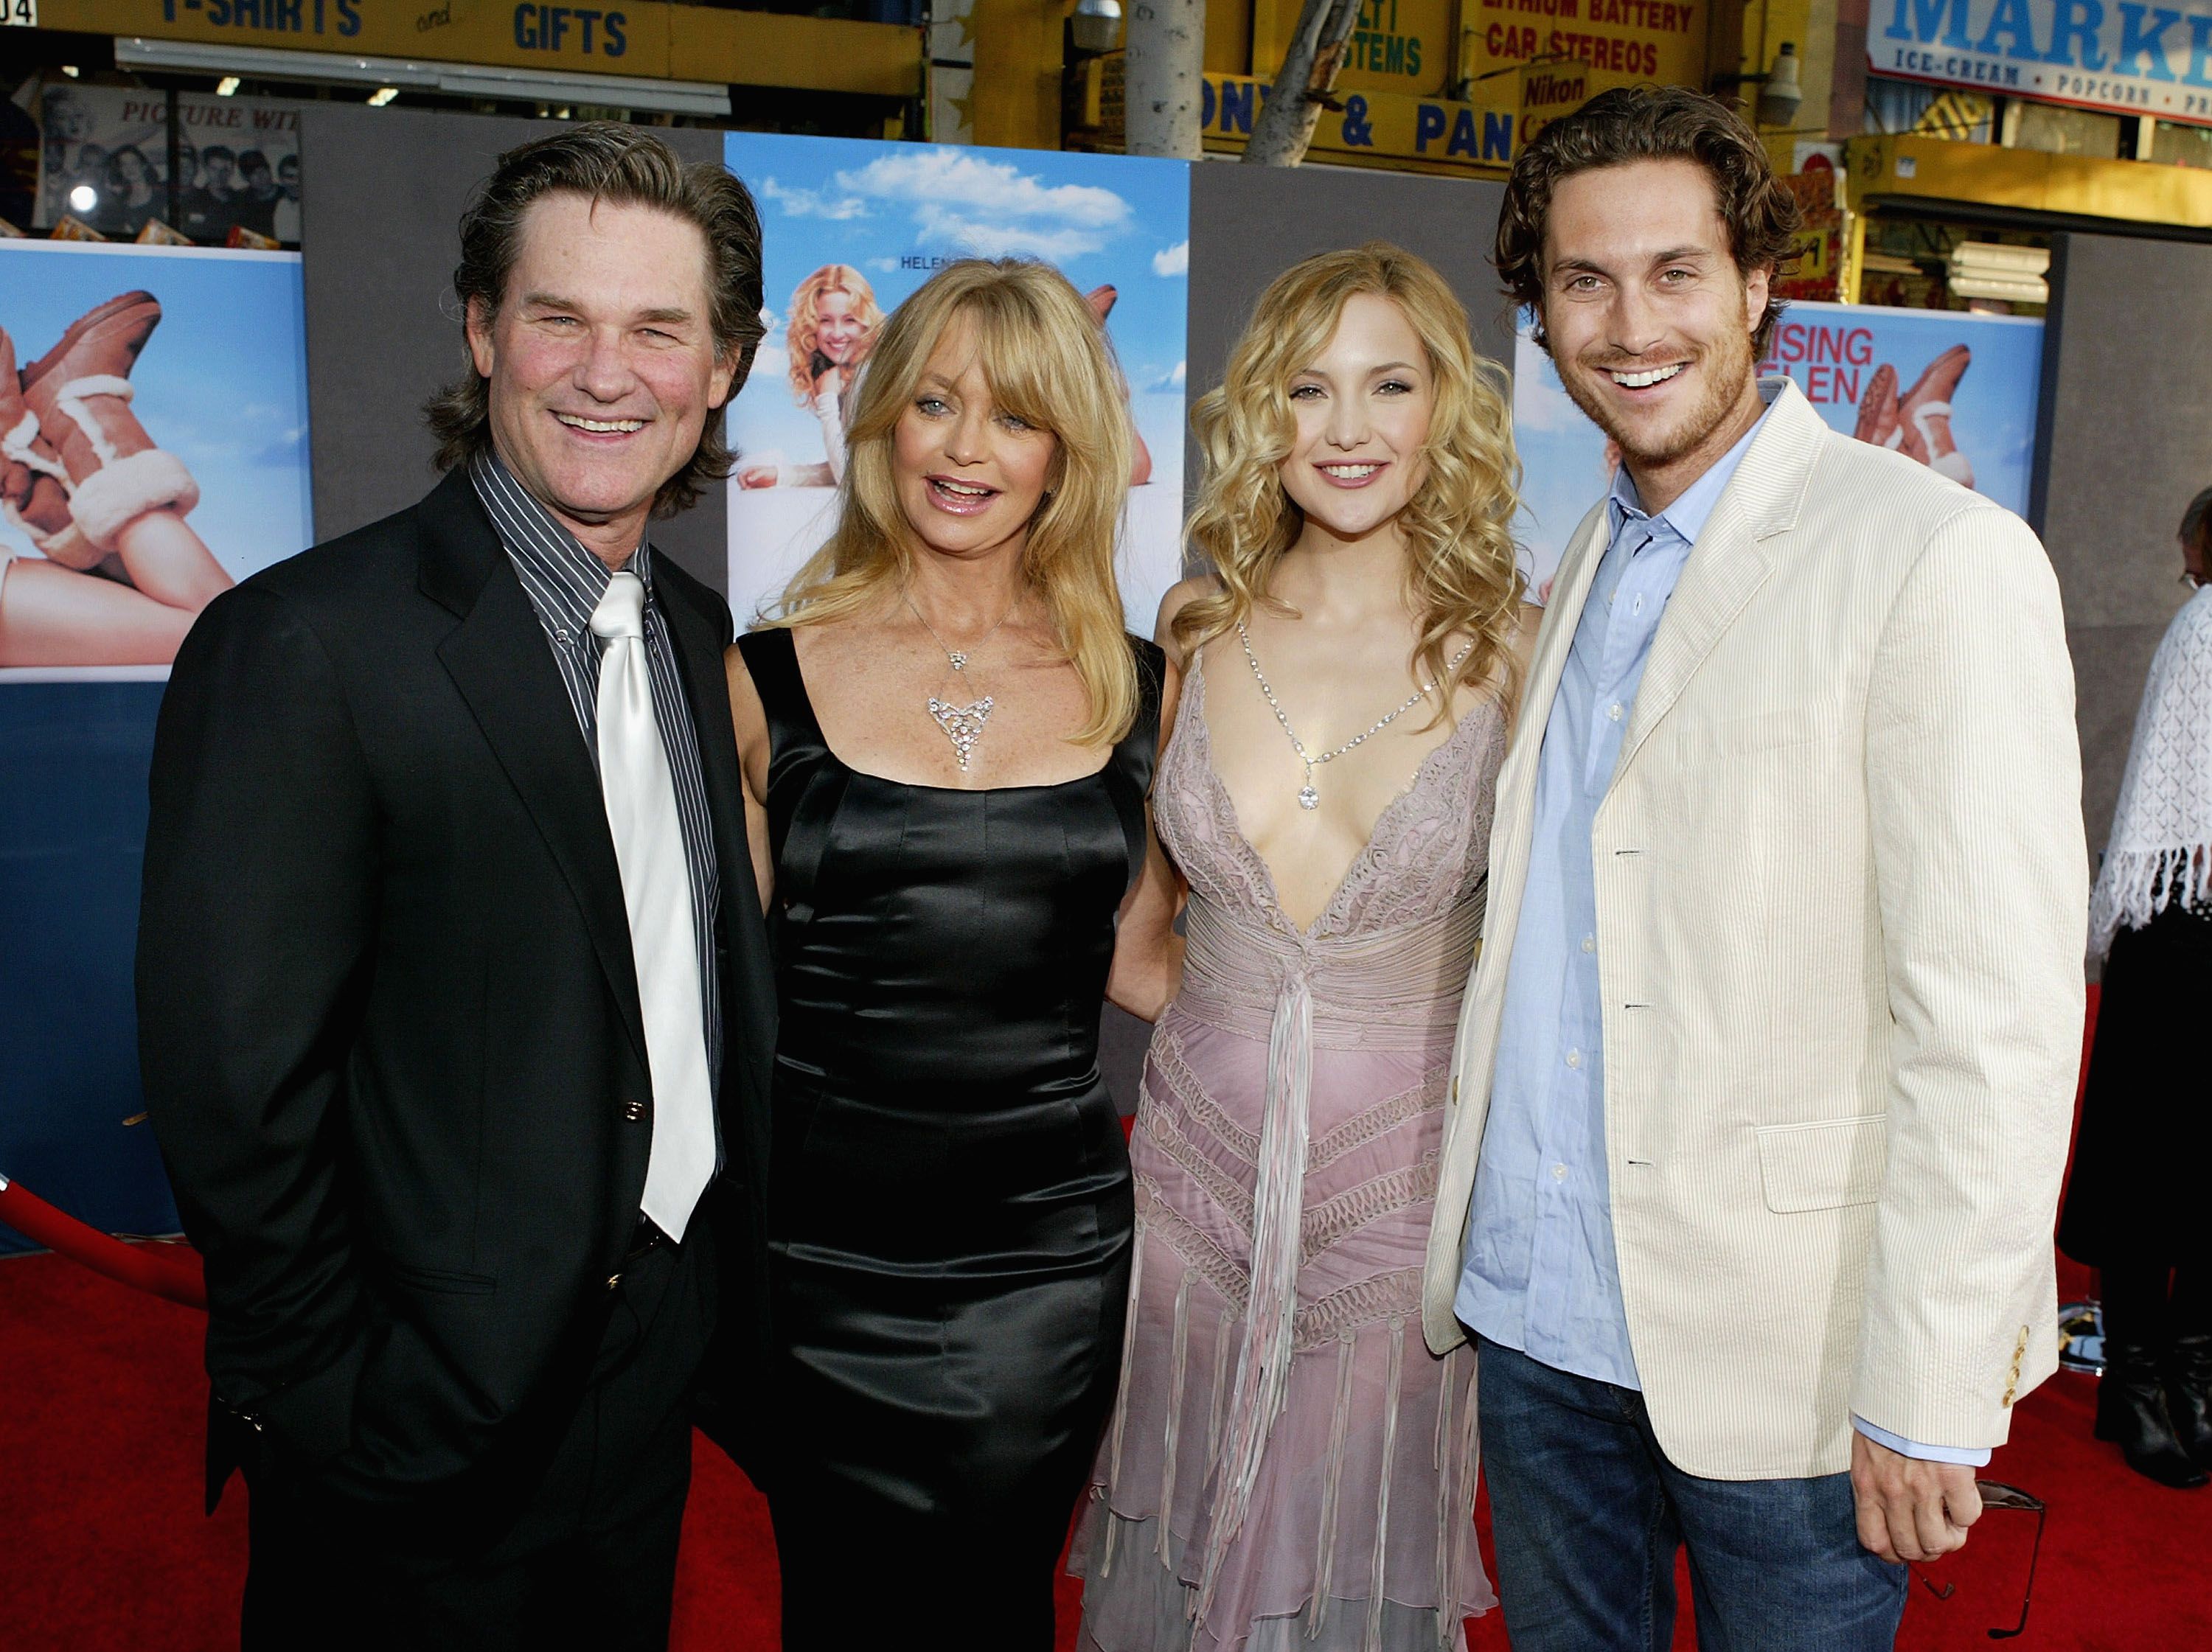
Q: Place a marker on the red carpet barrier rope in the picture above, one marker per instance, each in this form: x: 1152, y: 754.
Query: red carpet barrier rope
x: 170, y: 1271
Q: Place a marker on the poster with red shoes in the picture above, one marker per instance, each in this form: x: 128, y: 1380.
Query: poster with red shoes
x: 153, y: 446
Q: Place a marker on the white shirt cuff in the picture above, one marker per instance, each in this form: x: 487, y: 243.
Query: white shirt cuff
x: 1973, y: 1456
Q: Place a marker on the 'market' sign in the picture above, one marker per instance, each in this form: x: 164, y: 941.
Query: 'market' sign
x: 2137, y: 59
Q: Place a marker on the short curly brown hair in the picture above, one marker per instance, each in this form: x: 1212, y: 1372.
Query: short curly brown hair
x: 1648, y: 123
x: 605, y: 160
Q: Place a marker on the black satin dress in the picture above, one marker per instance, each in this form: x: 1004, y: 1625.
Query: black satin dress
x: 948, y: 1205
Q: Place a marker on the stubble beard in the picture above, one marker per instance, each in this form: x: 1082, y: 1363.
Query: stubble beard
x: 1725, y: 369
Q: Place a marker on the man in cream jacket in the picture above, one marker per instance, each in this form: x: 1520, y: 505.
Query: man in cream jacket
x: 1765, y: 1075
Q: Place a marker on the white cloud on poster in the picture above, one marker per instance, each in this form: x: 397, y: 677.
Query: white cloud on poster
x: 813, y: 202
x: 1172, y: 379
x: 990, y: 208
x: 1172, y: 261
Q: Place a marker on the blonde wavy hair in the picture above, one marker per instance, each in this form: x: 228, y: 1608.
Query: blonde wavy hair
x: 1048, y: 363
x: 807, y: 317
x: 1462, y: 574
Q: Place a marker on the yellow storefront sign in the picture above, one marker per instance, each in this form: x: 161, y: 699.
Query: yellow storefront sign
x: 1397, y: 45
x: 1549, y: 91
x: 1374, y: 123
x: 641, y: 38
x: 1660, y: 41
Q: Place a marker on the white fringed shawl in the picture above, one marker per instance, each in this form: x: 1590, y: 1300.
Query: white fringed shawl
x: 2162, y: 846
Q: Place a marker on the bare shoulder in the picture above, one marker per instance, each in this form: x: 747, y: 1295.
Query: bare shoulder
x: 1180, y: 596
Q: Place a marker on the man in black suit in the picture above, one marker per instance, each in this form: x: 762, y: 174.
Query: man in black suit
x: 454, y: 1002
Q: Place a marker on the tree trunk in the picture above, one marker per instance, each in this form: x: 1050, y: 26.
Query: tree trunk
x: 1161, y: 87
x: 1294, y: 107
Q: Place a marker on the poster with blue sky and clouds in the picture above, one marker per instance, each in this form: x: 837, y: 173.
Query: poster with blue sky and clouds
x: 896, y: 212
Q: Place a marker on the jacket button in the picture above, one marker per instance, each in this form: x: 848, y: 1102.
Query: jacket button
x: 633, y: 1110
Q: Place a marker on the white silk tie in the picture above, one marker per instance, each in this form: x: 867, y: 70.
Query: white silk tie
x: 656, y: 879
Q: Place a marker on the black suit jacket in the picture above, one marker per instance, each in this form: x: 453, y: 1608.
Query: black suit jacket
x: 388, y: 1013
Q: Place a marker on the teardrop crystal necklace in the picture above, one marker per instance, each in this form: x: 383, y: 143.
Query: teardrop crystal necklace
x: 1309, y: 794
x: 963, y: 724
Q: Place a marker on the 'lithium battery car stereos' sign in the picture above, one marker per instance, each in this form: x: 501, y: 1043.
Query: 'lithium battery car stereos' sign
x: 2133, y: 59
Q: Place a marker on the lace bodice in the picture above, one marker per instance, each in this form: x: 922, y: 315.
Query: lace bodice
x: 1429, y: 851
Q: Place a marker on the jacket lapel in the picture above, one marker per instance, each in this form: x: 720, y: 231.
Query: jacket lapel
x: 498, y: 657
x: 1515, y: 815
x: 1730, y: 562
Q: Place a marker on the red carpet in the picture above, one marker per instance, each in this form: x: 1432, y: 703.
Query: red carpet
x: 100, y: 1411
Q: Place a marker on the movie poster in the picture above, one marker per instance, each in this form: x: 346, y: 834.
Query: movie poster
x: 852, y: 226
x: 1956, y: 391
x: 123, y: 514
x: 156, y: 455
x: 106, y: 162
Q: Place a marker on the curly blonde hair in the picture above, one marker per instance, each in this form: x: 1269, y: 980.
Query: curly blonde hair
x: 808, y: 364
x: 1462, y: 572
x: 1048, y: 363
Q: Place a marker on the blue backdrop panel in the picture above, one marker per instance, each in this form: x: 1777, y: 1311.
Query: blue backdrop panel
x: 73, y: 760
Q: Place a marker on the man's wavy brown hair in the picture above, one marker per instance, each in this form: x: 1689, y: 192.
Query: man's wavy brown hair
x: 605, y: 160
x: 1649, y: 122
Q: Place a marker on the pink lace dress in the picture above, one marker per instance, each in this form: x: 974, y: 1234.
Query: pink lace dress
x: 1288, y: 1468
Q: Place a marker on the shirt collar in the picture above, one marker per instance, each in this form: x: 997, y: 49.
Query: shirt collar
x: 1688, y: 515
x: 526, y: 528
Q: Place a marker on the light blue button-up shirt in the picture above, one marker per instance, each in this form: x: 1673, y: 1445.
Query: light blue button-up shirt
x: 1540, y: 1273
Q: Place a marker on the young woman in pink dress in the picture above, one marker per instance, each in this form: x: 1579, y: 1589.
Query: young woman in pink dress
x: 1287, y: 1466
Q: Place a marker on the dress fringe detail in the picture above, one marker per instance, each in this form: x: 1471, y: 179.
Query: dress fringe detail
x: 1177, y: 1361
x: 1332, y: 1485
x: 1373, y: 1640
x: 1121, y: 1400
x: 1263, y: 1364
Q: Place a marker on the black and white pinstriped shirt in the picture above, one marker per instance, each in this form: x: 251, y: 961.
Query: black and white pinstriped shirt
x: 564, y: 583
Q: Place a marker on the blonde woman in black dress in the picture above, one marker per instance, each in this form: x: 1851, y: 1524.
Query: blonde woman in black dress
x: 948, y: 741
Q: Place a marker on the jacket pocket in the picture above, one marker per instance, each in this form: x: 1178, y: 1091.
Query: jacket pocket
x: 440, y: 1282
x: 1824, y: 1164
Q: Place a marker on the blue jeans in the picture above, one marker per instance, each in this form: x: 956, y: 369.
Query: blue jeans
x: 1588, y: 1512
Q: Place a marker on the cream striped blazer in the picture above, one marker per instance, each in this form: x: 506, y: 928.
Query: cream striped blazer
x: 1842, y: 891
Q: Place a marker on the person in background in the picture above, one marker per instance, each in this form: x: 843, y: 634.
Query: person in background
x: 2134, y: 1204
x: 1287, y: 1461
x: 259, y: 195
x: 455, y: 1047
x: 211, y: 208
x: 1767, y: 1068
x: 948, y: 742
x: 133, y: 196
x: 288, y: 208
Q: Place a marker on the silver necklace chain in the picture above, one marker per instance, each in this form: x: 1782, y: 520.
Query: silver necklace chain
x: 1308, y: 795
x: 963, y: 724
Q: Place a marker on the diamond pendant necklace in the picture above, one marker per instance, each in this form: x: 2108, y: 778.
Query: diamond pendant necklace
x: 1309, y: 794
x: 963, y: 724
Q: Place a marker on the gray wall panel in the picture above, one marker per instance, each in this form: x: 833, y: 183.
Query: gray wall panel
x: 383, y: 328
x: 2124, y: 442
